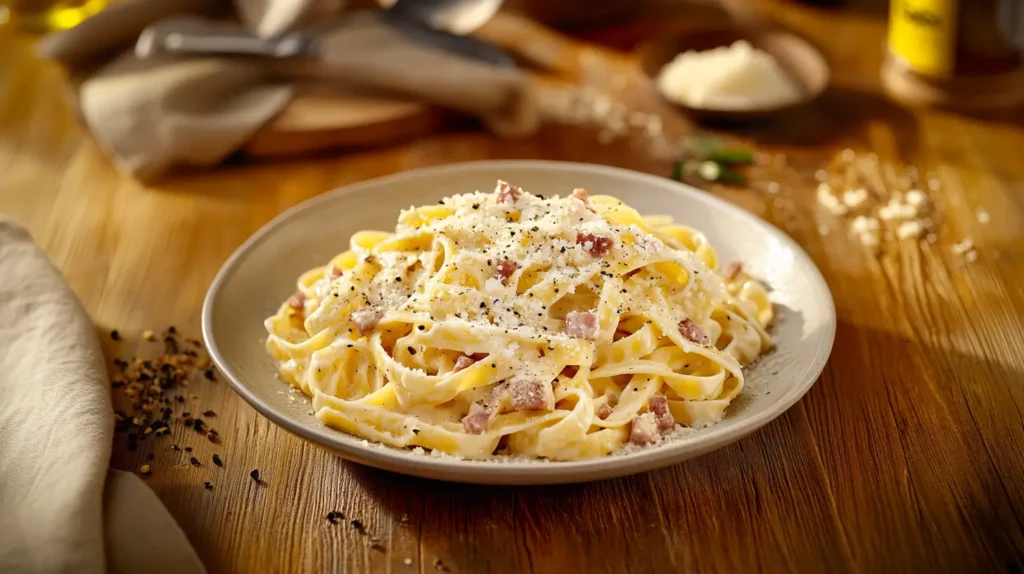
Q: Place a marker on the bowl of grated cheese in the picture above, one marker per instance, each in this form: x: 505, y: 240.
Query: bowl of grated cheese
x: 734, y: 74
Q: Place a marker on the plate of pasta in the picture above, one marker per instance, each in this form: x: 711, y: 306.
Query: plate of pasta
x: 519, y: 322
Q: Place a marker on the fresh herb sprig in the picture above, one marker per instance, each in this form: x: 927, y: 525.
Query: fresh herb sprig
x: 709, y: 159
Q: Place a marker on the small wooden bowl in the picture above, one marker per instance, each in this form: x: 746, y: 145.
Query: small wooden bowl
x: 801, y: 61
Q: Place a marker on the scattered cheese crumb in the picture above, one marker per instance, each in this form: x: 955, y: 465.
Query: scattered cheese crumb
x: 982, y: 216
x: 863, y: 224
x: 896, y: 209
x: 917, y: 198
x: 821, y: 175
x: 407, y: 561
x: 848, y: 155
x: 963, y: 246
x: 909, y: 230
x: 830, y: 201
x: 855, y: 198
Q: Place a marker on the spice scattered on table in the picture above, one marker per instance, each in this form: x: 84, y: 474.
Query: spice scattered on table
x: 378, y: 547
x: 208, y: 485
x: 358, y: 525
x: 335, y: 516
x: 218, y: 461
x: 146, y: 401
x: 439, y: 565
x: 255, y: 475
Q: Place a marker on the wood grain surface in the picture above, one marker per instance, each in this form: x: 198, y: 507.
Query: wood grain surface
x: 906, y: 456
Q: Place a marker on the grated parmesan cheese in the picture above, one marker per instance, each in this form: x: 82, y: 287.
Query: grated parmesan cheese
x: 736, y: 77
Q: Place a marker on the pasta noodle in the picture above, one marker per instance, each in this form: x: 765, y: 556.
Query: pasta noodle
x: 508, y: 323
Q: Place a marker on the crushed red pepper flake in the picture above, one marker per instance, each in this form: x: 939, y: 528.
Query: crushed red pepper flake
x: 217, y: 460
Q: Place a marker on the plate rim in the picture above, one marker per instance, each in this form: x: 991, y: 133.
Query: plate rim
x: 513, y: 472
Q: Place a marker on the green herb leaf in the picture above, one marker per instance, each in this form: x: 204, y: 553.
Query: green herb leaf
x: 677, y: 171
x: 730, y: 175
x: 732, y: 156
x: 703, y: 146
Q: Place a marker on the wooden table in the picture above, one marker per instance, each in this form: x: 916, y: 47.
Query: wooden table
x: 906, y: 456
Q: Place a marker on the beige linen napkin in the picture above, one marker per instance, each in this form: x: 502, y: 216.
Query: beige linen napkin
x: 61, y: 509
x: 156, y: 113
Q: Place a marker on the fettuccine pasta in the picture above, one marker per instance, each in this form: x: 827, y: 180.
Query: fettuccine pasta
x: 505, y: 323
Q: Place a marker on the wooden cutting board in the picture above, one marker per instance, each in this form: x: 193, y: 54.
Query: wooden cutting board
x: 317, y: 121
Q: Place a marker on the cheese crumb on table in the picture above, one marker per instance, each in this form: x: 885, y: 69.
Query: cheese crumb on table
x: 910, y: 230
x: 829, y: 200
x: 963, y: 246
x: 855, y: 198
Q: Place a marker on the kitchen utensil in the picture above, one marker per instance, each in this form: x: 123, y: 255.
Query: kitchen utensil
x: 340, y: 54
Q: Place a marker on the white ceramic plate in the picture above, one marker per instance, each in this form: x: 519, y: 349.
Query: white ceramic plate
x: 263, y: 271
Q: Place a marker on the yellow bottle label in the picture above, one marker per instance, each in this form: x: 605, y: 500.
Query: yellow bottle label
x: 923, y: 34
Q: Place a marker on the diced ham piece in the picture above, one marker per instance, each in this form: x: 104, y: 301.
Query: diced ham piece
x: 507, y: 193
x: 579, y: 325
x: 662, y: 415
x: 463, y: 362
x: 530, y: 395
x: 643, y: 429
x: 581, y: 195
x: 596, y: 245
x: 504, y: 269
x: 296, y: 300
x: 732, y: 270
x: 604, y: 411
x: 479, y: 418
x: 366, y: 319
x: 690, y: 330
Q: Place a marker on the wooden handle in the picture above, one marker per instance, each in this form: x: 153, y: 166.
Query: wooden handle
x: 533, y: 42
x: 192, y: 36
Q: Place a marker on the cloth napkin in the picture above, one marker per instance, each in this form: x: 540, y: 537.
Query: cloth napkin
x: 61, y: 509
x: 156, y: 113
